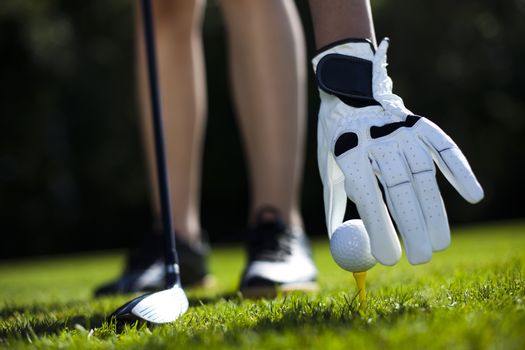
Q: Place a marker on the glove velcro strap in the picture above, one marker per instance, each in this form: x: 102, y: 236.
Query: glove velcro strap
x: 347, y: 77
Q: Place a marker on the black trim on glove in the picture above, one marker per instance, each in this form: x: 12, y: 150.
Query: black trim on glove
x: 347, y: 77
x: 380, y: 131
x: 345, y: 41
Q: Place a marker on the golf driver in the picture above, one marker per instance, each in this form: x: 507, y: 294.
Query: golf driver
x: 167, y: 305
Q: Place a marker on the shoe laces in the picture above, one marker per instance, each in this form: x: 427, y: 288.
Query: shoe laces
x: 146, y: 254
x: 270, y: 240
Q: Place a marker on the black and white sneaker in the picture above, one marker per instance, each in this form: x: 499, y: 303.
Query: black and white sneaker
x: 279, y: 258
x: 145, y: 270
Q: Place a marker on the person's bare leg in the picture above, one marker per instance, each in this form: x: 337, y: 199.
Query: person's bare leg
x: 268, y: 71
x: 183, y: 95
x: 341, y: 19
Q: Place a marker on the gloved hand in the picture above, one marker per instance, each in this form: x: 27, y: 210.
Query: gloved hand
x: 365, y: 132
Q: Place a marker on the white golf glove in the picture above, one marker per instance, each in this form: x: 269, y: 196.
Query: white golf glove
x: 365, y: 132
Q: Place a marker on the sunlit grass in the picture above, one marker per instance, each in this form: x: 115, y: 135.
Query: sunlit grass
x: 470, y: 296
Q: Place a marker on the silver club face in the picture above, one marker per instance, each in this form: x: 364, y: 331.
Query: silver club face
x: 160, y: 307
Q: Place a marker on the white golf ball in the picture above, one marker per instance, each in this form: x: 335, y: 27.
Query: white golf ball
x: 350, y: 247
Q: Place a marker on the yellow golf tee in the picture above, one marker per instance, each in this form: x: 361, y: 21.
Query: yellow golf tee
x: 360, y: 279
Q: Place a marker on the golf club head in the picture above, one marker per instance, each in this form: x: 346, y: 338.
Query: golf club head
x: 158, y: 307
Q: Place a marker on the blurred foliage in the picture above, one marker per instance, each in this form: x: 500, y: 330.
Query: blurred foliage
x: 72, y: 174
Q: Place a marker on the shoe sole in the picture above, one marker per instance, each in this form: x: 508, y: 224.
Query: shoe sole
x: 258, y: 292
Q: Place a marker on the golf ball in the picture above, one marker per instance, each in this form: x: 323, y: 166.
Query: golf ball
x: 350, y: 247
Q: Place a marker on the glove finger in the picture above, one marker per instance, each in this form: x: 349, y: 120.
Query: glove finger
x: 362, y: 188
x: 403, y: 203
x: 451, y: 162
x: 433, y: 210
x: 334, y: 197
x: 424, y: 179
x: 334, y: 194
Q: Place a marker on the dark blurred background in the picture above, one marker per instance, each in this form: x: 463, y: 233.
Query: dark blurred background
x: 72, y: 175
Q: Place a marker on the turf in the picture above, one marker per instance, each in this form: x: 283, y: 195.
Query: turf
x: 469, y: 297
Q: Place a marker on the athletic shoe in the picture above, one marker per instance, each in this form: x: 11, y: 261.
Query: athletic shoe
x: 145, y: 270
x: 279, y: 258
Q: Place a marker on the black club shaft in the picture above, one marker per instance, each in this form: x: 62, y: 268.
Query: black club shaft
x: 172, y: 275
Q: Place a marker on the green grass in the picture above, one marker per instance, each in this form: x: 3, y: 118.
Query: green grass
x: 469, y: 297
